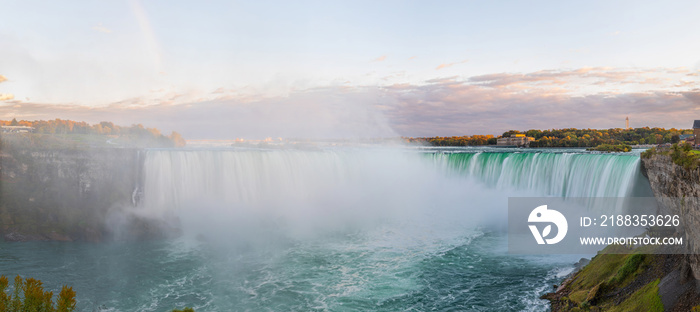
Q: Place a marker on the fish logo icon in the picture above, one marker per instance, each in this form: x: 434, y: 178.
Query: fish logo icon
x: 543, y: 215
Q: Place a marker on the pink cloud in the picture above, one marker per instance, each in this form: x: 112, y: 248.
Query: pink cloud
x: 445, y: 65
x: 486, y: 104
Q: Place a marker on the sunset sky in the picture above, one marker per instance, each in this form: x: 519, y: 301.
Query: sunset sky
x: 229, y: 69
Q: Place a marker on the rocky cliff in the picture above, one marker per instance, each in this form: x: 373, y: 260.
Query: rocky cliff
x: 68, y: 194
x: 678, y: 191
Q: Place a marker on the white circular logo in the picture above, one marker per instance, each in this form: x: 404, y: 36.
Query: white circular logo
x: 540, y: 215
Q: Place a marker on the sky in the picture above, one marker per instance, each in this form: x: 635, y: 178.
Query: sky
x: 349, y: 69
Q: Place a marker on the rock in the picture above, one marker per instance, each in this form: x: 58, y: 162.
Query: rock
x: 19, y: 237
x: 59, y: 237
x: 593, y: 294
x: 92, y: 235
x: 677, y: 191
x: 581, y: 263
x: 51, y: 188
x: 671, y: 287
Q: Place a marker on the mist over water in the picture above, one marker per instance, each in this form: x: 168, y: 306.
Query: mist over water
x: 335, y: 229
x: 306, y: 194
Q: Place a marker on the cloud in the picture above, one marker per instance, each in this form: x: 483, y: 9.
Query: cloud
x: 449, y: 108
x: 444, y: 80
x: 445, y: 65
x: 102, y: 29
x: 320, y: 113
x: 380, y: 59
x: 485, y: 104
x: 582, y: 78
x: 508, y: 79
x: 693, y: 96
x: 6, y: 96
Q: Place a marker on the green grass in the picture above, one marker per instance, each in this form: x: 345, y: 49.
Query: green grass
x: 602, y: 267
x: 611, y: 148
x: 578, y: 296
x: 645, y: 299
x: 612, y: 269
x: 682, y: 155
x: 631, y: 265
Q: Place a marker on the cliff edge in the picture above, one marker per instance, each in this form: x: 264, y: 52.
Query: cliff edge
x: 670, y: 181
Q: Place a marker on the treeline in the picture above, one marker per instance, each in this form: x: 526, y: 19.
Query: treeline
x: 466, y: 140
x: 681, y: 154
x: 135, y: 135
x: 594, y: 137
x: 568, y: 137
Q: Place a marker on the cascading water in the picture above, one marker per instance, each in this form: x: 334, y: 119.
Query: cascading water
x: 549, y: 174
x: 300, y: 191
x: 247, y: 176
x: 348, y: 186
x: 342, y: 229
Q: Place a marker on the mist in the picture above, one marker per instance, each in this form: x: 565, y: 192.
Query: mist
x: 255, y: 198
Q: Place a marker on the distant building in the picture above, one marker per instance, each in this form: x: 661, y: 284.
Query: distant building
x: 17, y: 129
x: 696, y: 129
x: 515, y: 140
x: 687, y: 138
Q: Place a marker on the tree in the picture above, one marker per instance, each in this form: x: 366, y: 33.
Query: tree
x: 136, y: 135
x: 675, y: 139
x: 509, y: 133
x: 29, y: 295
x: 534, y: 133
x: 177, y: 139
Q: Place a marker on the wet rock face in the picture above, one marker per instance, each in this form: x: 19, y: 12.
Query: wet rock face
x: 670, y: 183
x: 64, y: 194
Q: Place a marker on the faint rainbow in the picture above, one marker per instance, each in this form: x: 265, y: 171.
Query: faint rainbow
x: 149, y: 37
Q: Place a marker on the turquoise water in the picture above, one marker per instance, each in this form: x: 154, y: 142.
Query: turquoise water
x: 563, y: 173
x: 342, y: 275
x: 330, y: 230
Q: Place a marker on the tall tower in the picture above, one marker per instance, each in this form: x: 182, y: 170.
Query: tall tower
x: 627, y: 123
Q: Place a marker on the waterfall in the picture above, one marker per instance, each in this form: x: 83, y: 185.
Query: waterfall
x: 254, y: 176
x: 302, y: 191
x: 549, y: 174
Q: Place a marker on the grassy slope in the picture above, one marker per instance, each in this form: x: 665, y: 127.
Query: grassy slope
x: 612, y: 282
